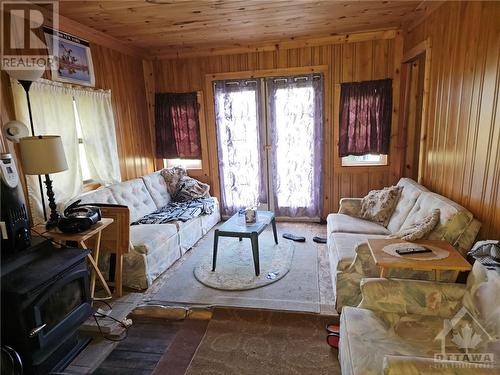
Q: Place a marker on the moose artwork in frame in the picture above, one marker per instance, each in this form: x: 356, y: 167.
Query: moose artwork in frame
x: 72, y: 58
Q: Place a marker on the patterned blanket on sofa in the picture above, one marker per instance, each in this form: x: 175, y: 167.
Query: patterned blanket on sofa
x: 179, y: 211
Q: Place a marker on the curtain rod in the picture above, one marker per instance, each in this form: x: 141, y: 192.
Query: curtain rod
x: 48, y: 82
x: 278, y: 79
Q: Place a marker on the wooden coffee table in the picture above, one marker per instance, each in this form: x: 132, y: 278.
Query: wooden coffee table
x: 454, y: 262
x: 234, y: 227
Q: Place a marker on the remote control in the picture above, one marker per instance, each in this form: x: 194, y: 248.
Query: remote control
x: 413, y: 250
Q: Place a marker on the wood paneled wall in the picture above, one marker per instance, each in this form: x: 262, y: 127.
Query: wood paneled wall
x: 123, y: 74
x: 367, y: 60
x: 462, y: 149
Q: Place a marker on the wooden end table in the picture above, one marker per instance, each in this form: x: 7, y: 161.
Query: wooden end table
x: 80, y: 238
x: 234, y: 228
x: 454, y: 262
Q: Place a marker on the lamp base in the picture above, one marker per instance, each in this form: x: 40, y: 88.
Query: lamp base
x: 54, y: 215
x: 52, y: 223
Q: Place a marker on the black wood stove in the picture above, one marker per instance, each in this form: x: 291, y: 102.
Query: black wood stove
x: 45, y: 298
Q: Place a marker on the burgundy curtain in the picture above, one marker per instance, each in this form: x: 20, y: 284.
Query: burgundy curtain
x: 365, y: 117
x: 177, y: 126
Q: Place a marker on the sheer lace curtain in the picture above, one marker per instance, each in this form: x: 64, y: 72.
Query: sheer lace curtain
x: 53, y: 114
x: 98, y: 132
x: 296, y: 122
x: 239, y: 144
x: 52, y: 108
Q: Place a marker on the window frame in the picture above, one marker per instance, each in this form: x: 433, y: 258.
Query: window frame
x: 384, y: 161
x: 169, y: 163
x: 81, y: 142
x: 203, y: 167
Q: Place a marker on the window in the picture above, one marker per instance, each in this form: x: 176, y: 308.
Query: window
x: 177, y: 127
x: 186, y: 163
x: 364, y: 160
x: 365, y: 122
x: 84, y: 164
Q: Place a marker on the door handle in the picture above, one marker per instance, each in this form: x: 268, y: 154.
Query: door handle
x: 37, y: 330
x: 267, y: 147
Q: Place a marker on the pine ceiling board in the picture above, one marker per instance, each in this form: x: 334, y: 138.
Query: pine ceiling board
x: 187, y: 25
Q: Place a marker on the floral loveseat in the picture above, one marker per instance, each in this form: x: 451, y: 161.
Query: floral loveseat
x: 402, y: 326
x: 350, y: 257
x: 153, y: 247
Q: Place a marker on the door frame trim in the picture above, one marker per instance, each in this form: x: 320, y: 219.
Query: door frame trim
x: 248, y: 74
x: 424, y: 47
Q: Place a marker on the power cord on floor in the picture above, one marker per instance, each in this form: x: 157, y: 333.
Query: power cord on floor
x: 125, y: 324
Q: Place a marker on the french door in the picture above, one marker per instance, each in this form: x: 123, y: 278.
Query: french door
x: 269, y: 134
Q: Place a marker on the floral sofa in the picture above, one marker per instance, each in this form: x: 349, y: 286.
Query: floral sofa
x: 350, y: 257
x: 153, y: 247
x: 423, y: 327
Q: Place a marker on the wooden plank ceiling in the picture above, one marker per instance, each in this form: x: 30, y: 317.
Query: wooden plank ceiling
x: 168, y: 28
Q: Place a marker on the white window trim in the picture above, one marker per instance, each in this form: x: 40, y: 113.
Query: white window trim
x: 360, y: 163
x: 169, y: 163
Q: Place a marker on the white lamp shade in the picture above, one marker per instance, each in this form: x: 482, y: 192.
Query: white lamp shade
x: 32, y: 74
x: 43, y: 154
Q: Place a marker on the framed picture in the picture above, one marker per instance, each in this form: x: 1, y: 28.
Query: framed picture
x: 73, y: 59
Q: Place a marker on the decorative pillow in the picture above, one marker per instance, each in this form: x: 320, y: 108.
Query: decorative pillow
x: 420, y: 228
x: 379, y: 205
x: 189, y: 188
x: 172, y: 177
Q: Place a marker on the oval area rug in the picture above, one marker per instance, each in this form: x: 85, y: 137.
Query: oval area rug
x: 235, y: 269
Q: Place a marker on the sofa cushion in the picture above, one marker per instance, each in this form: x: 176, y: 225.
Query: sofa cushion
x: 149, y: 237
x: 157, y: 188
x: 409, y: 195
x: 133, y: 193
x: 102, y: 195
x: 341, y: 223
x: 342, y: 248
x: 453, y: 219
x: 189, y: 233
x: 483, y: 287
x: 366, y: 338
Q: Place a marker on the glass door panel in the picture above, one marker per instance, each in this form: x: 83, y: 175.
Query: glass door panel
x: 295, y: 122
x: 240, y: 151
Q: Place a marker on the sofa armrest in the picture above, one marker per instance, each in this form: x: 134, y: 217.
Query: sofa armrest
x: 116, y: 237
x: 411, y: 296
x: 396, y: 365
x: 350, y: 206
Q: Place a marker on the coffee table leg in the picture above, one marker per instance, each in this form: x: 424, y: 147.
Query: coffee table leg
x: 255, y: 250
x: 273, y: 223
x: 216, y: 242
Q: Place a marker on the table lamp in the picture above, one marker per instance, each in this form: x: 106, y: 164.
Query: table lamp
x: 43, y: 155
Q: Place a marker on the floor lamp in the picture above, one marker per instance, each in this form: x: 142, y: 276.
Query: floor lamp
x: 25, y: 79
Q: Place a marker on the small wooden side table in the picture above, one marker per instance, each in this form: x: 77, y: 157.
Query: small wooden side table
x: 80, y: 238
x: 453, y: 262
